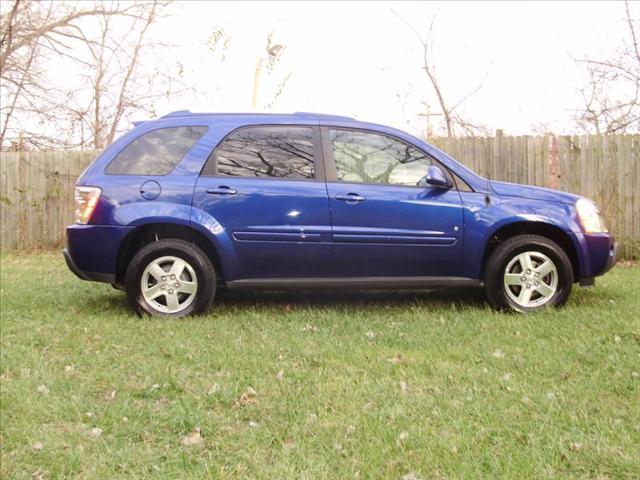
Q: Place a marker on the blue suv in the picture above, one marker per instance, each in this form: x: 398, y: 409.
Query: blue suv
x: 192, y: 203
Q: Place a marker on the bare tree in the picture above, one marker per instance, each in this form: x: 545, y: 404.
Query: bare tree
x: 612, y: 91
x: 31, y: 33
x: 454, y: 121
x: 117, y: 85
x: 107, y: 40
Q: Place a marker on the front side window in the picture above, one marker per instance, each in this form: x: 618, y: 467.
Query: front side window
x: 374, y: 158
x: 270, y: 151
x: 156, y: 152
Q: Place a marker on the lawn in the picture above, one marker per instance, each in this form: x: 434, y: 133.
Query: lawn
x: 316, y: 385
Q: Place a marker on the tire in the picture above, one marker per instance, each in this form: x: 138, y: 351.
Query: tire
x: 510, y: 285
x: 187, y: 288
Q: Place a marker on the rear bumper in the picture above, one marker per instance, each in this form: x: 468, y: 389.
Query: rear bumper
x: 92, y: 251
x: 84, y: 275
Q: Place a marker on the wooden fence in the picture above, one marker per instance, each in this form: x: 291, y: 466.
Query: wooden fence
x: 603, y: 168
x: 36, y: 196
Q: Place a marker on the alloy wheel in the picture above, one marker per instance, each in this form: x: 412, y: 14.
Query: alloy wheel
x: 169, y: 284
x: 531, y: 279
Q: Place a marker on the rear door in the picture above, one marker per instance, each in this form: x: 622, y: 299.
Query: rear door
x: 265, y: 186
x: 386, y: 222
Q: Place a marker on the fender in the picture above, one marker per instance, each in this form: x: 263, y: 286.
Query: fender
x: 483, y: 221
x: 215, y: 232
x: 140, y: 214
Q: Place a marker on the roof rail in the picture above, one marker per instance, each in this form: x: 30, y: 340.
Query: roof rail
x: 323, y: 115
x: 185, y: 113
x: 177, y: 113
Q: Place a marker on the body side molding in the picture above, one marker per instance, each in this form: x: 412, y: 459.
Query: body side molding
x: 302, y: 283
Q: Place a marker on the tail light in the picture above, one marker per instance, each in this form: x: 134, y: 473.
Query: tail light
x: 86, y: 200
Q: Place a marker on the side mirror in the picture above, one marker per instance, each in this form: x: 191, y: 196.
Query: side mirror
x: 436, y: 178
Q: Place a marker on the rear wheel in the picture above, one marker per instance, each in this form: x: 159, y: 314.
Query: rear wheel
x: 170, y: 278
x: 527, y: 273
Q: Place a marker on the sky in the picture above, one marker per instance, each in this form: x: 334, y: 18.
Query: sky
x: 364, y: 60
x: 359, y: 59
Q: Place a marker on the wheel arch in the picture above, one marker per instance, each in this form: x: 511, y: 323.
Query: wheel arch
x: 547, y: 230
x: 144, y: 234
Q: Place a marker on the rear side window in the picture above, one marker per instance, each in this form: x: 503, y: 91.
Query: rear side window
x: 273, y: 151
x: 156, y: 152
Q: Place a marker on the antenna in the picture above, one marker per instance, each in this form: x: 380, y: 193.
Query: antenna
x: 487, y: 198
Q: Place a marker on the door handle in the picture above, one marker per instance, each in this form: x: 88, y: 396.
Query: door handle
x: 351, y: 197
x: 222, y: 190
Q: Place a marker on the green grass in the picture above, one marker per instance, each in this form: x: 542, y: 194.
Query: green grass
x: 374, y: 385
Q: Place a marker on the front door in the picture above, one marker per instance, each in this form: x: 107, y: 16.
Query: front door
x: 263, y: 186
x: 385, y: 222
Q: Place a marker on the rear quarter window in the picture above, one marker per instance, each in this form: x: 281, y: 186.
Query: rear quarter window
x: 156, y: 152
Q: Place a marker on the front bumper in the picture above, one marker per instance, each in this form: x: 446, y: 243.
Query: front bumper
x: 614, y: 253
x: 600, y: 253
x: 597, y: 253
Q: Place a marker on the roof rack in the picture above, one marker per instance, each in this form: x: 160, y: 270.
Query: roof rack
x: 323, y: 115
x: 185, y: 113
x: 177, y: 113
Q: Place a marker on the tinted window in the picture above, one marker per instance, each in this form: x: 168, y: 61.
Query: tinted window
x: 278, y: 152
x: 156, y: 152
x: 373, y: 158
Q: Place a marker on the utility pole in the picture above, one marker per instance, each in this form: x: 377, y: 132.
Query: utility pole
x: 256, y: 81
x: 273, y: 52
x: 428, y: 132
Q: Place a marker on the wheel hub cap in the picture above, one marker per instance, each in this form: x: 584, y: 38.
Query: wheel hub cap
x: 531, y: 279
x: 169, y: 284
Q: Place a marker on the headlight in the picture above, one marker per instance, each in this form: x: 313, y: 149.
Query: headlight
x: 590, y: 217
x: 86, y: 200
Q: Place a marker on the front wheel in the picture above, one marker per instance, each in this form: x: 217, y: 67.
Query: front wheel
x: 527, y: 273
x: 170, y: 278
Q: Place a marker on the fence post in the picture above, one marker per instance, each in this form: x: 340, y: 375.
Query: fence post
x: 497, y: 156
x: 553, y: 162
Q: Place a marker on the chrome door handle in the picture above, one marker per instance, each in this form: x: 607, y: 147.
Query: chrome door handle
x: 351, y: 197
x: 222, y: 190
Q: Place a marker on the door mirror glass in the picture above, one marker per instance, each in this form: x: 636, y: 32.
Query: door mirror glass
x: 436, y: 178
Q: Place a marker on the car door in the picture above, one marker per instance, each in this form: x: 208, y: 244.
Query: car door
x: 265, y: 186
x: 385, y: 221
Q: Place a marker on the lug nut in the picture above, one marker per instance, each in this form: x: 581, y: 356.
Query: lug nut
x: 523, y: 278
x: 177, y: 285
x: 164, y: 277
x: 170, y: 291
x: 173, y: 277
x: 162, y: 287
x: 528, y: 270
x: 528, y: 286
x: 536, y: 283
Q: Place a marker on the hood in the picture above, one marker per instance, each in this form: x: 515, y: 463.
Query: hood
x: 534, y: 193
